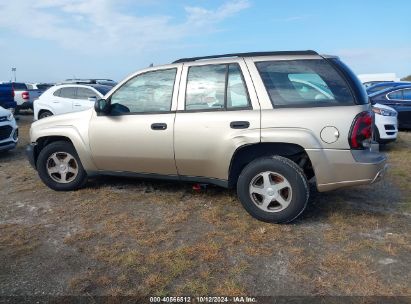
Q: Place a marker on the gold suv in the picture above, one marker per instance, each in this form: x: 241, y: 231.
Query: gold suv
x: 266, y: 123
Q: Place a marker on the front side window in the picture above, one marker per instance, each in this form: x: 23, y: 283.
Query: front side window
x: 395, y: 95
x: 68, y: 93
x: 148, y: 92
x: 216, y: 87
x: 304, y: 83
x: 84, y: 93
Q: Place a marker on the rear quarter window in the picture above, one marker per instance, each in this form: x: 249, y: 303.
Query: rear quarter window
x: 19, y: 86
x: 304, y: 83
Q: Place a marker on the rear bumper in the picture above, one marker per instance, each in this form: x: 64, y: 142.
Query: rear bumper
x: 31, y: 154
x: 25, y: 105
x: 342, y: 168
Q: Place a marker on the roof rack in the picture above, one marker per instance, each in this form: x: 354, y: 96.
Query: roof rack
x: 89, y: 81
x: 249, y: 54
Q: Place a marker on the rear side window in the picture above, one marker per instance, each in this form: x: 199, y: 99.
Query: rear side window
x: 216, y: 87
x: 57, y: 92
x: 307, y: 83
x: 19, y: 86
x: 395, y: 95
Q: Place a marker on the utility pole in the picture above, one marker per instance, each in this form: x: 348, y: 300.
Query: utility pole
x: 13, y: 71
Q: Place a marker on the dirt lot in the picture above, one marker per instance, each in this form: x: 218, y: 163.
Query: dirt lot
x: 130, y: 237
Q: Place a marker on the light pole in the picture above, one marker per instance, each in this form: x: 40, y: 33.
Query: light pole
x: 13, y: 71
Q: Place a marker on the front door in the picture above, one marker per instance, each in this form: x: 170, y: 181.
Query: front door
x: 137, y: 134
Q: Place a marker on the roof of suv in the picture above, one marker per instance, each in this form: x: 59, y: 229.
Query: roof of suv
x: 249, y: 54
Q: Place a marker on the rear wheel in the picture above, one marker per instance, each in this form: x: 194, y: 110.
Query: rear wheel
x: 59, y: 167
x: 273, y: 189
x: 45, y: 114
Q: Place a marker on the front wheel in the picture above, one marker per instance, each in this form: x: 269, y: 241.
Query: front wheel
x: 45, y: 114
x: 59, y: 167
x: 273, y: 189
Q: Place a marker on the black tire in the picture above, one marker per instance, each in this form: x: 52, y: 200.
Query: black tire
x: 377, y: 137
x: 45, y: 114
x: 41, y: 165
x: 290, y: 171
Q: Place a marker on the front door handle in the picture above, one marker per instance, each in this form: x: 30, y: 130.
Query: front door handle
x: 159, y: 126
x: 239, y: 124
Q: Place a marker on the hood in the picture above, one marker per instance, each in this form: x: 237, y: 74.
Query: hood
x: 4, y: 112
x: 69, y: 119
x: 381, y: 106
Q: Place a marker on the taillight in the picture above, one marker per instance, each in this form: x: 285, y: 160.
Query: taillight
x: 12, y: 92
x: 361, y: 131
x: 25, y: 95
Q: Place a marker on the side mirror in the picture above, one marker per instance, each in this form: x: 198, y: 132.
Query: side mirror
x: 92, y: 99
x: 101, y: 106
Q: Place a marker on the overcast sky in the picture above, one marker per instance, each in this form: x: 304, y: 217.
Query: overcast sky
x: 50, y: 40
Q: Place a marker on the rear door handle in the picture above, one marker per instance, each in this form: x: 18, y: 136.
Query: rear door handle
x: 239, y: 124
x: 159, y: 126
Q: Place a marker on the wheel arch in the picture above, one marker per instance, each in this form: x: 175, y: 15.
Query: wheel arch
x: 44, y: 110
x: 247, y: 153
x: 72, y: 137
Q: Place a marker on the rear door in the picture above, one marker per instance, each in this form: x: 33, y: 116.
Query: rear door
x: 218, y: 112
x: 63, y: 100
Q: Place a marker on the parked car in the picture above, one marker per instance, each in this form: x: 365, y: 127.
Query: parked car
x: 21, y: 96
x: 234, y: 120
x: 386, y: 123
x: 9, y: 133
x: 7, y: 97
x: 36, y: 89
x: 398, y: 98
x: 385, y: 85
x: 372, y: 79
x: 67, y: 98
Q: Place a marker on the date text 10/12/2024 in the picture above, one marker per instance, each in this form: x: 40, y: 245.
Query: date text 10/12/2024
x: 203, y: 300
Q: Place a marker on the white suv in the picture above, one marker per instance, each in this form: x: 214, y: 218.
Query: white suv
x: 68, y: 98
x: 8, y: 130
